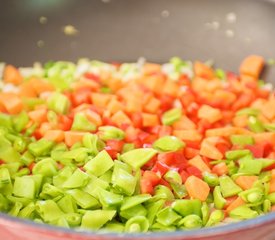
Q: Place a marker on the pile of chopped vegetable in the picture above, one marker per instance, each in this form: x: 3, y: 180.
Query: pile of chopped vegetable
x: 136, y: 147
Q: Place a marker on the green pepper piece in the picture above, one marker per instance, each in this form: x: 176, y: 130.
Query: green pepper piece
x: 190, y: 222
x: 137, y: 210
x: 46, y: 167
x: 48, y: 210
x: 20, y: 145
x: 220, y: 74
x: 219, y: 201
x: 7, y: 153
x: 5, y: 121
x: 250, y: 166
x: 20, y: 121
x: 124, y: 182
x: 28, y: 211
x: 164, y: 192
x: 186, y: 207
x: 62, y: 176
x: 171, y: 116
x: 137, y: 224
x: 77, y: 179
x: 243, y: 212
x: 215, y: 217
x: 81, y: 123
x: 266, y: 206
x: 128, y: 147
x: 16, y: 209
x: 167, y: 216
x: 114, y: 227
x: 92, y: 143
x: 4, y: 203
x: 94, y: 185
x: 73, y: 219
x: 83, y: 199
x: 205, y: 212
x: 266, y: 162
x: 158, y: 227
x: 252, y: 195
x: 138, y: 157
x: 49, y: 191
x: 242, y: 140
x: 60, y: 222
x: 179, y: 190
x: 79, y: 155
x: 24, y: 187
x: 67, y: 204
x: 255, y: 125
x: 228, y: 187
x: 41, y: 148
x: 211, y: 179
x: 237, y: 154
x: 109, y: 199
x: 271, y: 197
x: 269, y: 127
x: 173, y: 176
x: 59, y: 103
x: 153, y: 208
x: 99, y: 164
x: 5, y: 178
x: 130, y: 202
x: 97, y: 218
x: 168, y: 144
x: 248, y: 111
x: 110, y: 132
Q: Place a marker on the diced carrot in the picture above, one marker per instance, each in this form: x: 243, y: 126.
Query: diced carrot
x: 184, y: 124
x: 44, y: 127
x: 120, y: 118
x: 12, y: 75
x: 268, y: 109
x: 114, y: 106
x: 272, y: 185
x: 220, y: 169
x: 252, y: 66
x: 208, y: 148
x: 197, y: 188
x: 198, y: 162
x: 84, y: 83
x: 149, y: 120
x: 209, y: 113
x: 55, y: 135
x: 11, y: 102
x: 236, y: 203
x: 224, y: 96
x: 246, y: 182
x: 38, y: 115
x: 114, y: 83
x: 153, y: 82
x: 273, y: 208
x: 188, y: 135
x: 93, y: 117
x: 151, y: 68
x: 227, y: 131
x: 240, y: 121
x: 152, y: 105
x: 171, y: 88
x: 133, y: 104
x: 27, y: 90
x: 267, y: 137
x: 81, y: 108
x: 41, y: 85
x: 100, y: 99
x: 202, y: 70
x: 72, y: 137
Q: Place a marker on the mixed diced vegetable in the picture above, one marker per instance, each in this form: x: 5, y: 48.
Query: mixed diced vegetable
x: 136, y: 147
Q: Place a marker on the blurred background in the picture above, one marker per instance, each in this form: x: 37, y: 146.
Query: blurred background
x: 124, y: 30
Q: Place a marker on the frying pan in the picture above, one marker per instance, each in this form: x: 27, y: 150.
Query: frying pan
x: 124, y: 30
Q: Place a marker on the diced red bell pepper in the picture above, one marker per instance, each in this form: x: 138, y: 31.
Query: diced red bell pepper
x: 146, y: 186
x: 194, y: 171
x: 152, y: 177
x: 160, y: 168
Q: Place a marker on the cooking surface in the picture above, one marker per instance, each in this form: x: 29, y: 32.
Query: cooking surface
x: 124, y: 30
